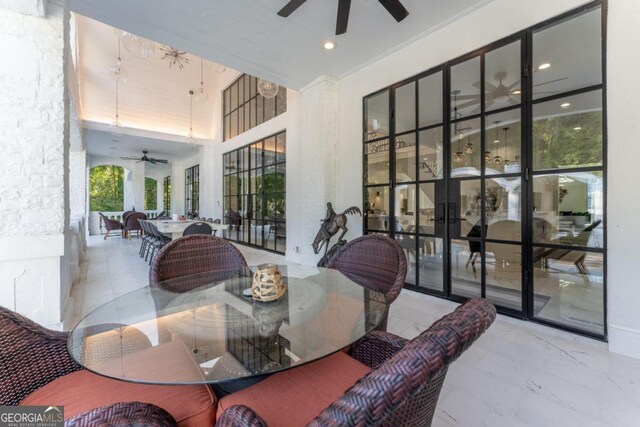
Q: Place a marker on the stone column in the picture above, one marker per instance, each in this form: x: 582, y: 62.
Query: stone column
x: 311, y: 167
x: 34, y: 134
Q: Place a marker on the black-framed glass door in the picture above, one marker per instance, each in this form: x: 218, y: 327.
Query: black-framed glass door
x: 255, y: 193
x: 489, y: 172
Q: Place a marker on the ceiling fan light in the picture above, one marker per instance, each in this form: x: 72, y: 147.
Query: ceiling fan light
x: 516, y: 92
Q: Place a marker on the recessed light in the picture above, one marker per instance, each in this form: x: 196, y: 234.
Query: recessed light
x: 329, y: 44
x: 516, y: 92
x: 566, y: 105
x: 544, y: 66
x: 577, y: 128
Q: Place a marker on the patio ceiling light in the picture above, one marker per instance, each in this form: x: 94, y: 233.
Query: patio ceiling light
x: 544, y: 66
x: 565, y: 105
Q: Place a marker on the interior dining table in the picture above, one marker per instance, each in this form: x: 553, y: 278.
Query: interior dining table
x: 175, y: 229
x: 203, y: 329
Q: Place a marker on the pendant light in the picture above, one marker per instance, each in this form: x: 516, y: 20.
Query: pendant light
x: 497, y: 159
x: 118, y: 72
x: 189, y: 138
x: 458, y: 156
x: 506, y: 146
x: 201, y: 95
x: 116, y: 127
x: 468, y: 148
x: 267, y: 89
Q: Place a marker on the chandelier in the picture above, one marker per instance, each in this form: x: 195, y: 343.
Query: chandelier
x: 175, y: 56
x: 267, y: 89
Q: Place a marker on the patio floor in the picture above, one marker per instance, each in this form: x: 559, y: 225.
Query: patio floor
x: 517, y: 374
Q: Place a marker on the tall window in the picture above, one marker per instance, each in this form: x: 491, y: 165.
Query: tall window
x: 192, y: 190
x: 150, y: 194
x: 255, y: 193
x: 106, y: 189
x: 245, y: 108
x: 489, y: 172
x: 166, y: 189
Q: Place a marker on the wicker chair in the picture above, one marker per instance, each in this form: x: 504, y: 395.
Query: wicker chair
x: 405, y: 382
x: 110, y: 225
x: 131, y: 223
x: 192, y: 255
x: 198, y: 228
x: 373, y: 260
x: 33, y: 356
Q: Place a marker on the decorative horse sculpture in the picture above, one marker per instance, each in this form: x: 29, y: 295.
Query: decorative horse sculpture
x: 331, y: 224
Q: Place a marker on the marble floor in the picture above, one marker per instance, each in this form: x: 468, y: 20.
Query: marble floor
x: 517, y: 374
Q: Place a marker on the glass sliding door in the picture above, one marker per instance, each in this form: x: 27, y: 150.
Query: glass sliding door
x: 254, y: 186
x: 489, y: 172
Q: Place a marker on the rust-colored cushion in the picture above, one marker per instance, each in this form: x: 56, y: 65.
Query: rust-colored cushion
x: 81, y: 391
x: 296, y: 396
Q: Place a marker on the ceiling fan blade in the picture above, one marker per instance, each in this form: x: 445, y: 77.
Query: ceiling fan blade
x: 290, y: 7
x: 512, y: 101
x: 395, y: 8
x: 468, y: 104
x: 460, y: 97
x: 158, y: 160
x: 514, y: 84
x: 152, y: 161
x: 551, y: 81
x: 130, y: 158
x: 343, y: 16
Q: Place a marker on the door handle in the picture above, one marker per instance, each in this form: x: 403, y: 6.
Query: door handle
x: 453, y: 217
x: 441, y: 213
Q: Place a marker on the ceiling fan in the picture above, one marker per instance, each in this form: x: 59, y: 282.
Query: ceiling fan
x: 144, y: 158
x: 498, y: 93
x: 394, y: 7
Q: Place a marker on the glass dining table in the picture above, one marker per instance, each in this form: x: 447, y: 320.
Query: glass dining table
x: 202, y: 329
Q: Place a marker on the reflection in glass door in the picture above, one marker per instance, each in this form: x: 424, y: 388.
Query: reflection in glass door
x: 489, y: 172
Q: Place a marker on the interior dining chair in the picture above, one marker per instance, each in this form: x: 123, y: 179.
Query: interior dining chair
x: 36, y: 369
x: 194, y: 254
x: 198, y: 228
x: 375, y: 260
x: 383, y: 380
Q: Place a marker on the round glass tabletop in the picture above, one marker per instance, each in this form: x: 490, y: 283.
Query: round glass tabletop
x: 201, y: 329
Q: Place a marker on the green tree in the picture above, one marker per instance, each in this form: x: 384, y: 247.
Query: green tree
x: 106, y: 188
x: 150, y: 194
x: 568, y: 141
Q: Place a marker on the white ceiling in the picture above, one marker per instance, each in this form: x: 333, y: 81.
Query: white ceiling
x: 102, y: 143
x: 248, y: 35
x: 155, y: 97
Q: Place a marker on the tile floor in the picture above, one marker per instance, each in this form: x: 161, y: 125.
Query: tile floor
x: 517, y: 374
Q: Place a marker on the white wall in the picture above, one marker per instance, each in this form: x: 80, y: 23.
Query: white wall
x: 34, y: 135
x: 623, y: 104
x: 480, y: 28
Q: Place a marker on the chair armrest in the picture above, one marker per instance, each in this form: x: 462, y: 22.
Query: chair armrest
x: 240, y: 416
x: 376, y: 347
x: 31, y: 356
x: 123, y: 414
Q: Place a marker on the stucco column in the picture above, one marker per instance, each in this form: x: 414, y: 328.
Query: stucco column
x: 34, y: 134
